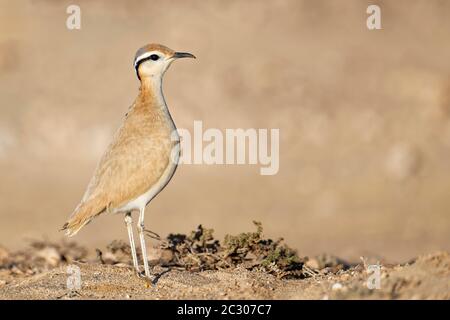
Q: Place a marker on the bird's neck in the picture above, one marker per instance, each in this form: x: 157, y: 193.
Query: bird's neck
x: 151, y: 94
x: 151, y: 100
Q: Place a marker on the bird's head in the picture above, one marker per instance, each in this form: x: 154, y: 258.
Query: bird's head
x: 153, y: 60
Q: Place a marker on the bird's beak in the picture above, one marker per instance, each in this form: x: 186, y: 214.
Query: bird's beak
x: 178, y: 55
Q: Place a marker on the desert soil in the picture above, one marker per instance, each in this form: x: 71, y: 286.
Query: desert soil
x: 44, y: 276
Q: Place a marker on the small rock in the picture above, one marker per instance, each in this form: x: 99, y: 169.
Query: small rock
x: 337, y: 286
x: 312, y: 263
x: 345, y: 277
x: 326, y: 270
x: 109, y: 257
x: 50, y: 255
x: 122, y: 265
x: 15, y: 270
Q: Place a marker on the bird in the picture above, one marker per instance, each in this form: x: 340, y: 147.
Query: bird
x: 142, y: 157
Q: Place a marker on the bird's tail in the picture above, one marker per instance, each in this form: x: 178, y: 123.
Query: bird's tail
x: 82, y: 215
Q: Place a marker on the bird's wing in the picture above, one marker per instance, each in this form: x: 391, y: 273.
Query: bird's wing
x: 131, y: 165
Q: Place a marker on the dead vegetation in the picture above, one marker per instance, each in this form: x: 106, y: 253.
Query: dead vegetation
x: 198, y: 266
x: 197, y: 251
x: 201, y: 251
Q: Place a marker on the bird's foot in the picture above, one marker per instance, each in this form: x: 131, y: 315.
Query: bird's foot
x: 149, y: 280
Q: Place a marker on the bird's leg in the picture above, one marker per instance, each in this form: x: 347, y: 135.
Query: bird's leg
x: 141, y: 230
x: 128, y: 222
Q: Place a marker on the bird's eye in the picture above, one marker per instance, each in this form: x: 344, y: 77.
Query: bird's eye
x: 154, y: 57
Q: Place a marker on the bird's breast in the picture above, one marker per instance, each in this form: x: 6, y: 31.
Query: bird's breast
x: 152, y: 150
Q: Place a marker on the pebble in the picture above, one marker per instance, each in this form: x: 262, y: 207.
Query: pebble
x: 313, y: 264
x: 337, y: 286
x: 50, y: 255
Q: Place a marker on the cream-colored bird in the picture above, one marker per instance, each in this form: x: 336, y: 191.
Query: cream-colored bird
x: 142, y: 157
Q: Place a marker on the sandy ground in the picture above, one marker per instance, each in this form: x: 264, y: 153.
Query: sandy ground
x: 428, y: 277
x: 46, y: 270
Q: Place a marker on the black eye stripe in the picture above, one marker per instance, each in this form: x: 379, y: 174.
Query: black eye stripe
x: 153, y: 57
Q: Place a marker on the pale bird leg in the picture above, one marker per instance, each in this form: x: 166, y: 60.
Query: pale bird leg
x: 128, y: 222
x: 141, y: 230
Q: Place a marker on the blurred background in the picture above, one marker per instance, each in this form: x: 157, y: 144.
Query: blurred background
x: 364, y: 118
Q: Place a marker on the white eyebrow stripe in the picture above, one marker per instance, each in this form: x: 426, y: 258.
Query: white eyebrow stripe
x: 143, y: 56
